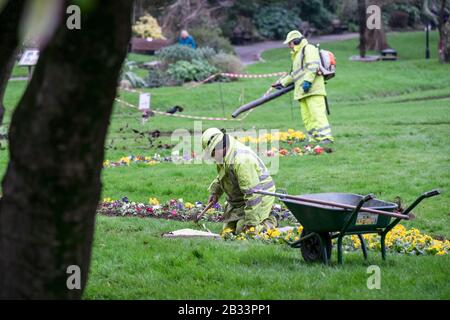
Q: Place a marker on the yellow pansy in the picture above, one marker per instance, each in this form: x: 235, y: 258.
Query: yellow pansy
x: 189, y: 205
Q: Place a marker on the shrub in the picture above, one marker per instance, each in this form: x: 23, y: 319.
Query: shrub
x: 401, y: 15
x: 147, y: 27
x: 398, y: 19
x: 196, y: 70
x: 274, y: 22
x: 206, y: 53
x: 315, y: 12
x: 175, y: 53
x: 159, y: 78
x: 211, y: 37
x: 135, y: 80
x: 227, y: 63
x: 348, y: 13
x: 128, y: 74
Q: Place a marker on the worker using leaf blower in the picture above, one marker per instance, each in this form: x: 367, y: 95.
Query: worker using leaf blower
x: 309, y: 87
x: 240, y: 173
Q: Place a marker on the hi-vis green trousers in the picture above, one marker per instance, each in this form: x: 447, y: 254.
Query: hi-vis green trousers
x: 313, y: 111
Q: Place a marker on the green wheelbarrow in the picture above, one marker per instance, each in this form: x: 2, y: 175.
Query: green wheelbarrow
x: 326, y: 216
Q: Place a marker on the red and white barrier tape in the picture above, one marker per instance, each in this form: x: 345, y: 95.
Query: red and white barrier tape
x: 224, y: 74
x: 182, y: 115
x: 248, y: 75
x: 241, y: 75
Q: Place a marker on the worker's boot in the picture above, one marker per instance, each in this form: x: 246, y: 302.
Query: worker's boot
x: 269, y: 223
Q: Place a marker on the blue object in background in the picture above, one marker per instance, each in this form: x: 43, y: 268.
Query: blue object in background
x: 188, y: 41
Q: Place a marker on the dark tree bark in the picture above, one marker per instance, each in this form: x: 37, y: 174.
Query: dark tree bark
x: 9, y: 22
x: 370, y: 39
x: 138, y: 10
x: 445, y: 55
x: 444, y: 35
x: 376, y: 40
x: 362, y: 27
x: 52, y: 185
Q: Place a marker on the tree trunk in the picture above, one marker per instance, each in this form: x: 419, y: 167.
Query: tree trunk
x: 9, y: 22
x: 446, y: 43
x: 362, y: 27
x: 138, y: 10
x: 52, y: 184
x: 444, y: 35
x: 376, y: 40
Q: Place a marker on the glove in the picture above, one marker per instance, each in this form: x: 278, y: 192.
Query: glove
x: 277, y: 86
x: 306, y: 86
x: 213, y: 198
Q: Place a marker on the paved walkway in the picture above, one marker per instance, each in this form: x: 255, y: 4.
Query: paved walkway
x: 252, y: 53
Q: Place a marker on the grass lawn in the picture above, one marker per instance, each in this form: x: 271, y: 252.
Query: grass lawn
x: 391, y: 121
x: 19, y: 72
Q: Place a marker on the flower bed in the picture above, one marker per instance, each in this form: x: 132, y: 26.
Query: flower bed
x: 292, y: 143
x: 150, y: 161
x: 173, y: 210
x: 399, y: 240
x: 291, y: 135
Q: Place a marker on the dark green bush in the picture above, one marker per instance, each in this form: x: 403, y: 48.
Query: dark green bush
x: 227, y: 63
x: 205, y: 53
x: 196, y: 70
x: 314, y: 12
x: 211, y: 37
x: 175, y: 53
x: 391, y: 11
x: 274, y: 21
x: 159, y: 78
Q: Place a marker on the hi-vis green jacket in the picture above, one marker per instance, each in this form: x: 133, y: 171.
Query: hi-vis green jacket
x: 241, y: 173
x: 307, y: 73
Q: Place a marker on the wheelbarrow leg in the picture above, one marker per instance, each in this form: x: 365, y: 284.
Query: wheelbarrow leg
x: 349, y: 222
x: 324, y: 250
x: 363, y: 246
x: 383, y: 245
x: 339, y: 248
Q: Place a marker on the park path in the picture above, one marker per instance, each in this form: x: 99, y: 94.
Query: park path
x: 252, y: 53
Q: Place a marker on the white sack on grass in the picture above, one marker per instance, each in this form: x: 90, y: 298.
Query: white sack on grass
x: 190, y: 233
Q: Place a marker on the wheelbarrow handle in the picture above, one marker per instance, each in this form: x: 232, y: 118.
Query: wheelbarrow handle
x: 366, y: 198
x: 425, y: 195
x: 431, y: 193
x: 333, y: 204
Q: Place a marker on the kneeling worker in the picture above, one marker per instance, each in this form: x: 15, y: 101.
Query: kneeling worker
x: 240, y: 173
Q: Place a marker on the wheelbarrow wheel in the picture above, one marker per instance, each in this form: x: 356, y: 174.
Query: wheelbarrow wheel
x: 312, y: 248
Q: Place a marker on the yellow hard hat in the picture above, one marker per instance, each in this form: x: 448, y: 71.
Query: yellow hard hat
x: 210, y: 138
x: 294, y: 34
